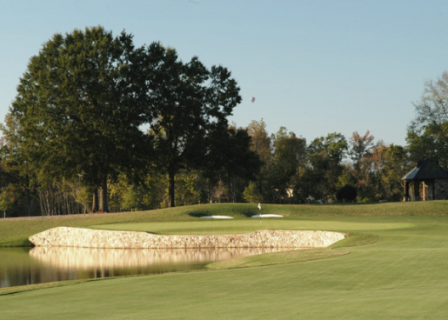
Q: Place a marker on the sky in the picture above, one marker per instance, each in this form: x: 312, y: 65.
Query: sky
x: 313, y: 66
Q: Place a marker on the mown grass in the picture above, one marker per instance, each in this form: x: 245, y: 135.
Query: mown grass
x: 15, y: 232
x: 295, y: 255
x: 399, y: 272
x: 277, y: 258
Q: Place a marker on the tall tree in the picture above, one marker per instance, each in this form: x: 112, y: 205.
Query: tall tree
x: 325, y: 156
x: 388, y: 165
x: 290, y: 155
x: 261, y: 145
x: 360, y: 151
x: 77, y: 110
x: 428, y: 133
x: 185, y: 102
x: 16, y: 169
x: 230, y: 159
x: 361, y: 147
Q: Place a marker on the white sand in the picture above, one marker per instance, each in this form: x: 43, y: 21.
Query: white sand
x: 267, y: 216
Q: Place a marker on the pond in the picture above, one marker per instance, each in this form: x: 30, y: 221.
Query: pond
x: 23, y: 266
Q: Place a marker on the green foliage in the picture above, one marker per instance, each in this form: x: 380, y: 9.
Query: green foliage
x: 187, y: 189
x: 334, y: 144
x: 230, y: 163
x: 361, y: 147
x: 74, y: 130
x: 186, y: 102
x: 430, y: 143
x: 325, y: 155
x: 388, y: 165
x: 6, y: 200
x: 76, y: 109
x: 132, y: 199
x: 428, y: 132
x: 290, y: 155
x: 252, y: 194
x: 262, y: 146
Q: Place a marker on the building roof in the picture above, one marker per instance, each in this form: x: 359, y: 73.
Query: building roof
x: 426, y: 170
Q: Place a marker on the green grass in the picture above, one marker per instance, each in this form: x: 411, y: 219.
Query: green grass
x: 393, y: 266
x: 15, y: 232
x: 277, y: 258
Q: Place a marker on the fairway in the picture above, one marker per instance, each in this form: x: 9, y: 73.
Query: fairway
x: 400, y: 275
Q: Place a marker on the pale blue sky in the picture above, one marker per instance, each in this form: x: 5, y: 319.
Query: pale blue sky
x: 314, y: 66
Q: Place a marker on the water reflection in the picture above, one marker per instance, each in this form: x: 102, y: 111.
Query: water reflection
x: 41, y: 264
x: 91, y: 258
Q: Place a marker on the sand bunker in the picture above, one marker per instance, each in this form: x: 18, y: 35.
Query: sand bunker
x: 267, y: 216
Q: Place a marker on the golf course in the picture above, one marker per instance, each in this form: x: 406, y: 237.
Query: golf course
x: 393, y: 265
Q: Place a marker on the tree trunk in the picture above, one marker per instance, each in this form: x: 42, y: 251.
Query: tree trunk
x: 103, y: 196
x: 171, y: 188
x: 95, y: 201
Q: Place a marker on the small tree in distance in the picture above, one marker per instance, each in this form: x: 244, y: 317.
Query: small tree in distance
x: 6, y: 201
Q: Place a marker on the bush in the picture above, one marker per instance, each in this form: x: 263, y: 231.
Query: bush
x: 251, y: 193
x: 347, y: 193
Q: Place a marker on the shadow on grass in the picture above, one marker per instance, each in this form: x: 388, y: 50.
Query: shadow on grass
x: 244, y: 213
x: 197, y: 214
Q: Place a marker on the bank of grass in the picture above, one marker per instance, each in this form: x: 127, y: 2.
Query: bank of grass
x: 295, y: 255
x: 15, y: 232
x: 398, y: 273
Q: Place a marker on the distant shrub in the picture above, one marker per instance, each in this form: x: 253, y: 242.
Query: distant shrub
x: 251, y: 193
x: 347, y: 193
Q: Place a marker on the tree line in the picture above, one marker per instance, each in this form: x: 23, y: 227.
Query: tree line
x: 100, y: 125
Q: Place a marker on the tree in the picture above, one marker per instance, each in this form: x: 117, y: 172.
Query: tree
x: 325, y: 157
x: 262, y: 146
x: 78, y: 109
x: 334, y: 144
x: 431, y: 143
x: 428, y: 133
x: 252, y: 194
x: 6, y: 199
x: 361, y: 147
x: 185, y: 102
x: 388, y: 165
x: 289, y: 155
x: 360, y: 153
x: 433, y: 105
x: 15, y: 169
x: 230, y: 159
